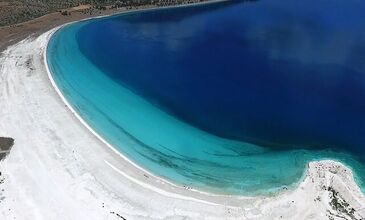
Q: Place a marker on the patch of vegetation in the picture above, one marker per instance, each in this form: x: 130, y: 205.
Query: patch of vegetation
x: 340, y: 206
x: 65, y: 13
x: 17, y: 11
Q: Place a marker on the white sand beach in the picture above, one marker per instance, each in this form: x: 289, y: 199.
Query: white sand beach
x: 58, y: 169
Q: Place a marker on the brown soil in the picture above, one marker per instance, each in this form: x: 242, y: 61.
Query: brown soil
x: 12, y: 34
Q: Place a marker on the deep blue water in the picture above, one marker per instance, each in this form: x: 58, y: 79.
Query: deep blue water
x: 274, y: 73
x: 250, y: 88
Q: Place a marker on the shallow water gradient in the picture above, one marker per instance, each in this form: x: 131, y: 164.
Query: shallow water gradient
x: 229, y: 97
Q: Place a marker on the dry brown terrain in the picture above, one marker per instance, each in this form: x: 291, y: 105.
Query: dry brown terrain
x: 16, y: 11
x: 35, y: 17
x: 14, y: 33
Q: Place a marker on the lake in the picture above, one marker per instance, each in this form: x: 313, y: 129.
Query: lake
x: 234, y: 97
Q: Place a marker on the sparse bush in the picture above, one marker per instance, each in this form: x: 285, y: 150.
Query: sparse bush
x: 17, y: 11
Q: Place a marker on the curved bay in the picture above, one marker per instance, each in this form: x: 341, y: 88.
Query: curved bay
x: 230, y: 98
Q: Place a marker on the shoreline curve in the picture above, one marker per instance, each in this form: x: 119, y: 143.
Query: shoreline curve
x: 50, y: 34
x: 324, y: 173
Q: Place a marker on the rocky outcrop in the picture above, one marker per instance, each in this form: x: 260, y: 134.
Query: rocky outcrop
x: 6, y: 144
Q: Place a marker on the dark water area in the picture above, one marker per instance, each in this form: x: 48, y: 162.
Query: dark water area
x: 281, y: 74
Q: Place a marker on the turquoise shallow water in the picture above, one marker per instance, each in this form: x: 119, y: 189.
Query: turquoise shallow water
x: 154, y: 136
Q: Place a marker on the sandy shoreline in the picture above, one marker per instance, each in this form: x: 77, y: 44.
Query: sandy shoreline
x: 84, y: 123
x: 14, y: 33
x: 59, y: 170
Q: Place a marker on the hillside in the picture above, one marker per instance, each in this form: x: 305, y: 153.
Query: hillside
x: 17, y: 11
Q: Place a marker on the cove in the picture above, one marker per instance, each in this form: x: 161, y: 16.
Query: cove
x: 231, y: 98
